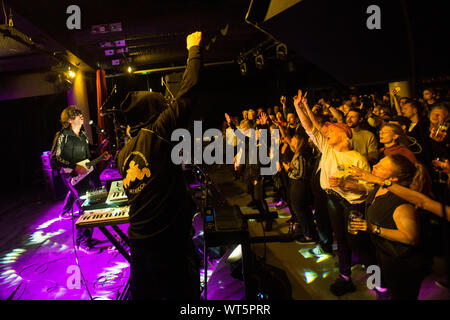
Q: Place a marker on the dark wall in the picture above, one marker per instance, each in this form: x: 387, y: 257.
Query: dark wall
x: 334, y: 36
x: 27, y: 127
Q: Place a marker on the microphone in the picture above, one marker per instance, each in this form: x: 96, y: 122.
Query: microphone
x: 99, y: 130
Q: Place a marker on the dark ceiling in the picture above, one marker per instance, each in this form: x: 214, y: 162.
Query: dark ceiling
x: 154, y: 32
x: 328, y: 34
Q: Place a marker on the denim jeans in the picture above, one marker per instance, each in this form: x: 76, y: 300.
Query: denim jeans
x: 298, y: 203
x: 323, y: 223
x: 360, y: 244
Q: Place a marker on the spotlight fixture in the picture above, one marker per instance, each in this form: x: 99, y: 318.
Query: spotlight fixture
x: 281, y: 51
x: 130, y: 69
x: 243, y: 68
x: 71, y: 73
x: 259, y: 61
x: 242, y: 65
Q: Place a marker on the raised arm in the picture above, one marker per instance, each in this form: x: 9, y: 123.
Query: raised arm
x: 302, y: 113
x: 336, y: 114
x: 283, y: 104
x: 282, y: 129
x: 176, y: 113
x: 310, y: 114
x: 191, y: 73
x: 396, y: 103
x: 230, y: 123
x: 416, y: 198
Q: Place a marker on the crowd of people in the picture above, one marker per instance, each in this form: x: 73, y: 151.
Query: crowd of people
x: 357, y: 172
x: 363, y: 173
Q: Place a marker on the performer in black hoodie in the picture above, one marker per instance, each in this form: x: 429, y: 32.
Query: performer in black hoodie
x: 163, y: 262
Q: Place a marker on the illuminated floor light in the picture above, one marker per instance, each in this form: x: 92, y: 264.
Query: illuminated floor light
x: 323, y: 257
x: 306, y: 253
x: 325, y: 274
x: 48, y: 223
x: 40, y: 237
x: 7, y: 272
x: 310, y: 276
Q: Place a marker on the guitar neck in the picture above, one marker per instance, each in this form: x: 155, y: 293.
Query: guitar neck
x: 96, y: 160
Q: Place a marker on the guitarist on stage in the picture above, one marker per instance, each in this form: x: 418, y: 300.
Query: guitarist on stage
x: 70, y: 146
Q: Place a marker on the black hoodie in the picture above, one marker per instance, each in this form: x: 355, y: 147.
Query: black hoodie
x: 154, y: 185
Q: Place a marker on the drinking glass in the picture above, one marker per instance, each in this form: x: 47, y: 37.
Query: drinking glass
x: 352, y: 216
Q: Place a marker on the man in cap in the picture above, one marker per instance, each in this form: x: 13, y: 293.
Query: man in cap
x: 334, y: 142
x: 163, y: 264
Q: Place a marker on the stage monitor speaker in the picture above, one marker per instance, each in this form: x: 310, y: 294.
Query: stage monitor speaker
x: 53, y: 184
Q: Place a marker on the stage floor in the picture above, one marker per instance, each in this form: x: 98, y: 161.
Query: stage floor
x: 310, y: 276
x: 38, y: 262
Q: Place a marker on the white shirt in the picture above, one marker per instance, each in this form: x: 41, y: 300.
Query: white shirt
x: 337, y: 164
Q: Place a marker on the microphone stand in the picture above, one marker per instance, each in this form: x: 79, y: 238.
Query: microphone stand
x: 115, y: 122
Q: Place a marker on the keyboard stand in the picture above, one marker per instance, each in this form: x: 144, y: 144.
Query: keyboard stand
x: 116, y: 243
x: 126, y: 291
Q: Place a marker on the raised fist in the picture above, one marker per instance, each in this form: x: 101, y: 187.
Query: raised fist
x: 193, y: 39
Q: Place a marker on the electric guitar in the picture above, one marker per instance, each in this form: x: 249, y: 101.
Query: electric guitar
x: 88, y: 165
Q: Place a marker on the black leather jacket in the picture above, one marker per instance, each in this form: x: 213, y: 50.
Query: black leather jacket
x: 68, y: 149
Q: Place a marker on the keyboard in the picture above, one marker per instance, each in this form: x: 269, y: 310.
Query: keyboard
x: 103, y: 217
x: 116, y: 192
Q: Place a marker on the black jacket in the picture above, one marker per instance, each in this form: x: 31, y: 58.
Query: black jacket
x: 68, y: 149
x: 154, y: 185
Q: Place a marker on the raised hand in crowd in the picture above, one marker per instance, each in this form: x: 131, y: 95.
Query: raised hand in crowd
x: 193, y: 39
x: 300, y: 99
x: 418, y: 199
x: 366, y: 176
x: 228, y: 118
x: 442, y: 166
x: 263, y: 118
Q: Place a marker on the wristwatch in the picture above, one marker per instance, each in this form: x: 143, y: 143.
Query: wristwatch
x: 377, y: 230
x: 386, y: 183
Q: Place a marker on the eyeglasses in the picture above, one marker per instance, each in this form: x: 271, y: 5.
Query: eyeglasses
x: 76, y: 113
